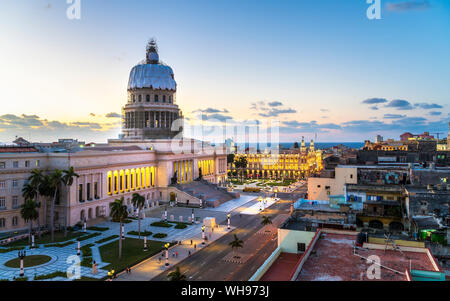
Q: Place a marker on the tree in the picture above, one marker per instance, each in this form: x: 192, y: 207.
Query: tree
x: 56, y: 180
x: 240, y: 164
x: 138, y: 202
x: 36, y: 181
x: 29, y: 213
x: 68, y: 176
x: 176, y: 275
x: 236, y: 244
x: 230, y: 158
x: 266, y: 221
x: 296, y: 145
x: 119, y: 212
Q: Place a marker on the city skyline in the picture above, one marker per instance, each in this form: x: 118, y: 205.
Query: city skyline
x: 328, y: 72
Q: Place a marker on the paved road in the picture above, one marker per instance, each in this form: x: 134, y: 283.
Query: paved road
x: 207, y: 264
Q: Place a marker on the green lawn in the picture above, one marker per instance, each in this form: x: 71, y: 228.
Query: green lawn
x: 45, y: 239
x: 28, y: 261
x: 132, y: 253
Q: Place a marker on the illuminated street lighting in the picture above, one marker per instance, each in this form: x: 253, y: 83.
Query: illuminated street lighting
x: 167, y: 245
x: 145, y: 243
x: 165, y: 214
x: 228, y: 217
x: 203, y: 235
x: 193, y: 216
x: 32, y: 241
x: 22, y: 255
x: 79, y: 249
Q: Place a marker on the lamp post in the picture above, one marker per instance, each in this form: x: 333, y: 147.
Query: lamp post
x: 145, y: 243
x: 79, y: 249
x: 84, y: 227
x: 32, y: 241
x: 193, y: 216
x: 167, y: 253
x: 260, y: 203
x: 22, y: 255
x: 123, y: 232
x: 228, y: 217
x: 203, y: 234
x: 165, y: 214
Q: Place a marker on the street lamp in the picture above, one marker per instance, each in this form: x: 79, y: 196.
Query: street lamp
x: 193, y: 216
x: 165, y: 214
x: 123, y: 232
x: 84, y: 226
x: 167, y: 245
x: 228, y: 217
x: 32, y: 241
x: 260, y: 203
x: 145, y: 243
x: 22, y: 255
x: 203, y: 235
x: 79, y: 249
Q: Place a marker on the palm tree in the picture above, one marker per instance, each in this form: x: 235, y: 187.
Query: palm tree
x: 29, y: 213
x: 236, y: 244
x: 266, y: 221
x: 240, y: 164
x: 56, y: 180
x: 176, y: 275
x: 36, y: 181
x: 68, y: 176
x: 45, y: 190
x: 138, y: 202
x: 118, y: 211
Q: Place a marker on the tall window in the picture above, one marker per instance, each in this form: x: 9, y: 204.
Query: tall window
x: 15, y: 201
x: 147, y: 98
x: 80, y: 193
x: 156, y: 98
x: 15, y: 164
x: 140, y: 98
x: 133, y: 98
x: 27, y: 163
x: 2, y: 165
x: 15, y: 183
x: 15, y: 221
x: 2, y: 185
x: 88, y: 191
x: 96, y: 190
x: 2, y: 223
x: 2, y: 202
x: 164, y: 98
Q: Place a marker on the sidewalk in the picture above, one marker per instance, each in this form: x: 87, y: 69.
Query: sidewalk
x: 152, y: 267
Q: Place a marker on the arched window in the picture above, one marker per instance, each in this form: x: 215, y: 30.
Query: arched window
x: 2, y: 223
x: 156, y: 98
x: 140, y: 98
x: 147, y: 98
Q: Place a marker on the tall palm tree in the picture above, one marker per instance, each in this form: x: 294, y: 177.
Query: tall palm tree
x: 46, y: 190
x: 36, y: 180
x: 68, y: 176
x: 266, y: 221
x: 119, y: 212
x: 176, y: 275
x: 138, y: 202
x: 56, y: 180
x: 236, y: 244
x: 29, y: 213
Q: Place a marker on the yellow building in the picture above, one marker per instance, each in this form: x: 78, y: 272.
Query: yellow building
x: 290, y: 164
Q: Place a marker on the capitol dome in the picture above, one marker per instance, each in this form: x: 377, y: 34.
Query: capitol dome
x: 153, y: 74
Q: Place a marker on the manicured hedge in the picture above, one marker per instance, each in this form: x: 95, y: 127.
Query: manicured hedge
x: 160, y: 235
x: 106, y: 239
x: 11, y: 249
x: 88, y: 236
x: 162, y: 224
x: 101, y: 229
x: 51, y: 276
x: 61, y: 245
x: 143, y: 233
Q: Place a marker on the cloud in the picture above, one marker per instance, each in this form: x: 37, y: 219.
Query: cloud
x: 428, y: 106
x: 408, y: 6
x: 372, y: 101
x: 275, y: 104
x: 91, y: 115
x: 220, y: 117
x: 375, y: 108
x: 435, y: 113
x: 324, y: 110
x: 399, y: 104
x: 393, y: 116
x: 311, y: 126
x: 212, y: 110
x: 113, y: 115
x: 277, y: 112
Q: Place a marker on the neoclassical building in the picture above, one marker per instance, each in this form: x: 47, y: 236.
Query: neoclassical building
x: 148, y: 157
x: 285, y: 164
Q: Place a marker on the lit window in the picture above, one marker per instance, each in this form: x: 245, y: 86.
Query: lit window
x: 2, y: 165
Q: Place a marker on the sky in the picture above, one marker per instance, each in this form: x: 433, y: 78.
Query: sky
x: 321, y: 68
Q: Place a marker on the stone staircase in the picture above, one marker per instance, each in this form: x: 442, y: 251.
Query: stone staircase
x: 211, y: 194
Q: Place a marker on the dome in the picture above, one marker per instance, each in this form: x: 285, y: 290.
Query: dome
x: 155, y: 76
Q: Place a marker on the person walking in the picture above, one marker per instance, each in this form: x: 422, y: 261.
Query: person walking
x: 189, y: 253
x: 191, y: 242
x: 176, y: 254
x: 195, y: 247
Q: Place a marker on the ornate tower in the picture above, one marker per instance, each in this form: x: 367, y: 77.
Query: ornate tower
x: 151, y: 107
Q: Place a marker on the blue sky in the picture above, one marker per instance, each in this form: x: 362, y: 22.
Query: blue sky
x: 322, y: 62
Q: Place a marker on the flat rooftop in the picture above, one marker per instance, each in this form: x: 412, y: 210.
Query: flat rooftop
x: 282, y: 268
x: 332, y: 259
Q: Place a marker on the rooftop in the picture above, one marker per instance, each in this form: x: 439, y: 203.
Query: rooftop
x: 283, y: 267
x: 332, y: 259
